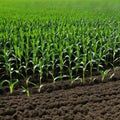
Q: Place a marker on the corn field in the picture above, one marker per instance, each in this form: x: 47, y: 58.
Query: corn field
x: 56, y: 49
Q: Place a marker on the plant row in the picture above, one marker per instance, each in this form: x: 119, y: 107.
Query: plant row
x: 56, y: 50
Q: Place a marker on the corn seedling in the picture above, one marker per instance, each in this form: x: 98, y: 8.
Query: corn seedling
x: 104, y: 73
x: 11, y: 84
x: 26, y: 88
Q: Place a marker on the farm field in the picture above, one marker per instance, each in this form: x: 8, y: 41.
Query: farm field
x: 60, y: 59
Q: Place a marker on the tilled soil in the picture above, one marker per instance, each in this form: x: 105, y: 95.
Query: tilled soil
x: 94, y: 101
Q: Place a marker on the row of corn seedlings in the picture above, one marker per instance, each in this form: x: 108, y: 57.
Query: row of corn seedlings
x: 56, y: 50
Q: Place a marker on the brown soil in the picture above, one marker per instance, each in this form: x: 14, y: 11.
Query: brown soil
x: 95, y: 100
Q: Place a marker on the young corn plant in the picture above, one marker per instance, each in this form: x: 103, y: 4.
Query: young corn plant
x: 77, y: 58
x: 84, y: 57
x: 61, y: 64
x: 41, y: 65
x: 70, y: 68
x: 9, y: 70
x: 52, y: 72
x: 47, y: 60
x: 104, y: 73
x: 11, y: 84
x: 35, y: 48
x: 99, y: 59
x: 26, y: 88
x: 84, y: 66
x: 91, y: 61
x: 26, y: 54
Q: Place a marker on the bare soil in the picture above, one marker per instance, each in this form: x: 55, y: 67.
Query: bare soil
x: 92, y: 100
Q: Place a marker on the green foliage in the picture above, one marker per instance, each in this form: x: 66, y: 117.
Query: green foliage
x: 57, y: 39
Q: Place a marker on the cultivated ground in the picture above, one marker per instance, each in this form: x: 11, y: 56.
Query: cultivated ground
x: 24, y: 20
x: 94, y: 101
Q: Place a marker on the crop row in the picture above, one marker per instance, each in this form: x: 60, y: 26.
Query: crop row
x: 56, y: 50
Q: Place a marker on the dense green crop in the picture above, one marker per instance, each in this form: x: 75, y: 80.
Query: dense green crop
x: 56, y: 42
